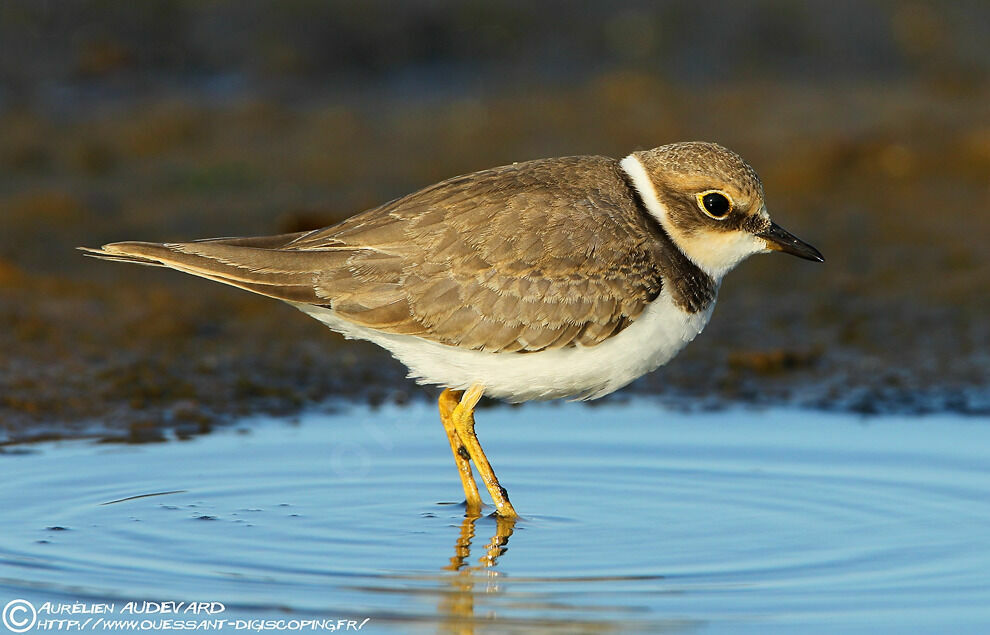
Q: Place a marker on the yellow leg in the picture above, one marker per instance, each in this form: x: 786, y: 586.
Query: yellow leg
x: 463, y: 420
x: 472, y: 499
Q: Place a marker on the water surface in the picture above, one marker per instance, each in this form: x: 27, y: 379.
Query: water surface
x: 636, y: 519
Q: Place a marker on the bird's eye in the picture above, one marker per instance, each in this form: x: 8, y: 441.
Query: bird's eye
x: 715, y: 204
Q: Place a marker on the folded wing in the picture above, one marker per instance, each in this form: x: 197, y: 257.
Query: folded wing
x: 510, y: 259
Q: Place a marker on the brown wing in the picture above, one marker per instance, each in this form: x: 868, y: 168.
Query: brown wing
x: 521, y: 258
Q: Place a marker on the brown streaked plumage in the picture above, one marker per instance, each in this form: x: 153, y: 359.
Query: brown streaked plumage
x: 549, y: 278
x: 518, y: 258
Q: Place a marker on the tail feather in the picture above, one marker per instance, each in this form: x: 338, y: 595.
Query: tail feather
x: 284, y: 274
x: 101, y: 254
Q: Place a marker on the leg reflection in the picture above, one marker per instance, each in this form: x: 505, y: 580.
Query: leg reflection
x: 456, y: 608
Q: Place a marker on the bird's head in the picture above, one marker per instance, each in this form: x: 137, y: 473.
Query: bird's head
x: 710, y: 202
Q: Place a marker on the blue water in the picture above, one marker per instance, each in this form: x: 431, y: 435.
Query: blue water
x: 635, y: 519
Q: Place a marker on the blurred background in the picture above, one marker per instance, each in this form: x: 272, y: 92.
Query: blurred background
x: 868, y: 121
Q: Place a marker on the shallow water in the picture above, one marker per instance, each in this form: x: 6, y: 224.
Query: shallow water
x: 635, y: 519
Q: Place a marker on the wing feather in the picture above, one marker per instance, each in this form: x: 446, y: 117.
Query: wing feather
x: 520, y: 258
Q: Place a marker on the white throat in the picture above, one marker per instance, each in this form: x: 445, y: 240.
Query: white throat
x: 714, y: 253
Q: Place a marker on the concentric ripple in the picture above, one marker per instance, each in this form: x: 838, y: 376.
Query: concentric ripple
x: 636, y: 519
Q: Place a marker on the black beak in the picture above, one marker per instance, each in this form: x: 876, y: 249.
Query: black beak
x: 779, y: 239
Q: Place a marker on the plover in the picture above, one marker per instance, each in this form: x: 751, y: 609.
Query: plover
x: 565, y: 277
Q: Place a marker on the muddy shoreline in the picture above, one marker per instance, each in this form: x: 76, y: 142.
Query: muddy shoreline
x: 894, y: 321
x: 886, y: 174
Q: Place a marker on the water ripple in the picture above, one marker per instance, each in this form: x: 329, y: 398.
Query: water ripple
x: 635, y: 519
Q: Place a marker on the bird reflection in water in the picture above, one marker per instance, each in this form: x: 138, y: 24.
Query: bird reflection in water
x: 456, y: 607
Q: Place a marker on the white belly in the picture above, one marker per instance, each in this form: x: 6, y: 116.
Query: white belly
x: 577, y: 372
